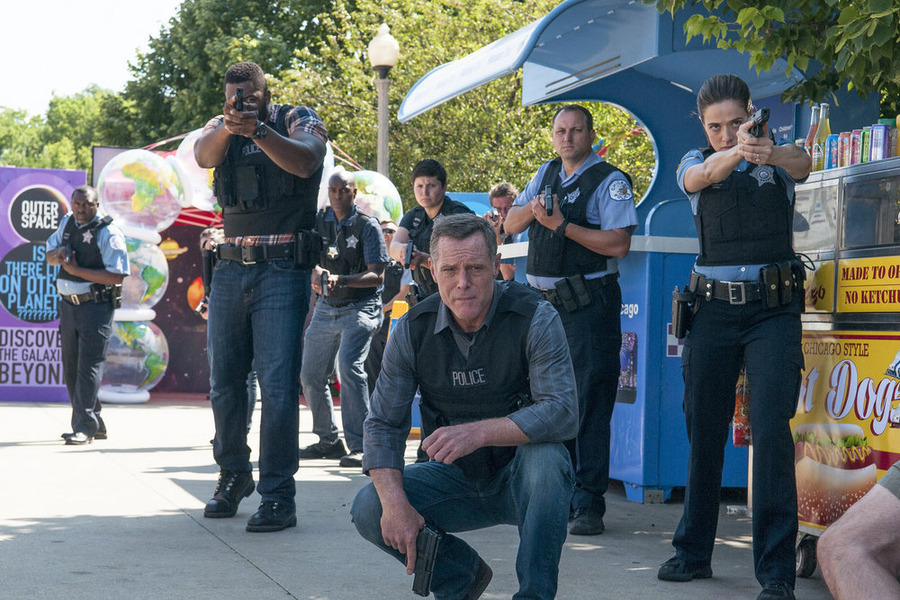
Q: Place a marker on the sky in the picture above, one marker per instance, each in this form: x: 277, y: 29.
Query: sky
x: 63, y: 46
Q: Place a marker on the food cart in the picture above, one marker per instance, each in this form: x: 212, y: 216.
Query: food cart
x: 847, y: 425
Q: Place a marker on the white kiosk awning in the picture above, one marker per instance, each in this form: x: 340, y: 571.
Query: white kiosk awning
x: 581, y: 41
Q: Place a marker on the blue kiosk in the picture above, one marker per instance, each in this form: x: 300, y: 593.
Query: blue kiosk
x: 626, y: 53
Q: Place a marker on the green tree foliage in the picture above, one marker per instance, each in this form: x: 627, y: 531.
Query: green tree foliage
x: 62, y: 139
x: 837, y: 44
x: 177, y: 83
x: 482, y: 137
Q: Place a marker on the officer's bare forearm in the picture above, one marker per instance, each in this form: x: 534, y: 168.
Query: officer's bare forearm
x: 212, y: 146
x: 518, y: 219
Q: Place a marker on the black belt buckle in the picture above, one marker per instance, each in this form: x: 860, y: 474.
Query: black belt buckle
x: 736, y: 285
x: 247, y: 255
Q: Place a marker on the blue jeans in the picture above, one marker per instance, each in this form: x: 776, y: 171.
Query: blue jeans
x: 595, y: 340
x: 344, y: 332
x: 531, y: 492
x: 256, y: 316
x: 721, y: 339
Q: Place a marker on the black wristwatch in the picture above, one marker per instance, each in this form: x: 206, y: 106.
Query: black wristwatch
x: 561, y: 230
x: 261, y: 130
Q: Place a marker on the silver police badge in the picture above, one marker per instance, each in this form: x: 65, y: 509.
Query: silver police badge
x: 352, y: 241
x: 332, y: 252
x: 764, y: 174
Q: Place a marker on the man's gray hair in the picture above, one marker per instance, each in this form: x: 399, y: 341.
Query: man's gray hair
x: 459, y: 227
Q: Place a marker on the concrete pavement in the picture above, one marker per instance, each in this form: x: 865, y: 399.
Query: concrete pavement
x: 123, y: 518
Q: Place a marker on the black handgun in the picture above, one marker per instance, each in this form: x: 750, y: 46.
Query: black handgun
x: 239, y: 99
x: 548, y: 200
x: 409, y: 252
x: 427, y: 543
x: 759, y: 118
x: 323, y: 283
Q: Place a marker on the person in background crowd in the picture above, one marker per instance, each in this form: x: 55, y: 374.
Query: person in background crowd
x: 268, y: 164
x: 575, y: 237
x: 94, y: 261
x: 501, y: 198
x: 498, y: 398
x: 429, y: 185
x: 396, y: 286
x: 348, y: 279
x: 741, y: 190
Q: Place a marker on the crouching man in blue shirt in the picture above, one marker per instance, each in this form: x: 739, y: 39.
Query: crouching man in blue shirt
x: 498, y: 399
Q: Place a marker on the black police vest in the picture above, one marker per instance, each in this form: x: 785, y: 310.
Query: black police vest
x: 87, y: 253
x: 257, y: 196
x: 420, y: 234
x: 550, y: 255
x: 349, y: 259
x: 492, y: 382
x: 745, y: 219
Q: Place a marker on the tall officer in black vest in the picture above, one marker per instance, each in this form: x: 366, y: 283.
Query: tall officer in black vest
x: 498, y: 398
x: 348, y: 279
x: 94, y: 261
x: 268, y: 161
x: 572, y: 252
x: 429, y: 185
x: 749, y: 295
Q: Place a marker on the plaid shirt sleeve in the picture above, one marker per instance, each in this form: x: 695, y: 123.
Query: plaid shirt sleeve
x: 306, y: 120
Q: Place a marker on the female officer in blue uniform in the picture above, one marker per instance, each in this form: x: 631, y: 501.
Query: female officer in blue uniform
x: 749, y: 294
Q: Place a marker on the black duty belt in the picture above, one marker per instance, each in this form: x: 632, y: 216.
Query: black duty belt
x: 733, y: 292
x: 593, y: 285
x: 77, y: 299
x: 249, y: 255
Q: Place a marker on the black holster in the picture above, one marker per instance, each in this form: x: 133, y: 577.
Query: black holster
x: 573, y: 293
x: 308, y: 246
x: 107, y: 293
x: 683, y: 308
x: 207, y: 265
x: 779, y: 282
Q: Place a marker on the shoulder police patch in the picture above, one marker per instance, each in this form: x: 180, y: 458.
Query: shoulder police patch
x: 619, y: 190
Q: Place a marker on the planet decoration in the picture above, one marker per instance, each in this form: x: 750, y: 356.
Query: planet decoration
x: 377, y: 196
x: 149, y: 275
x: 196, y: 181
x: 171, y: 249
x: 137, y: 357
x: 140, y: 189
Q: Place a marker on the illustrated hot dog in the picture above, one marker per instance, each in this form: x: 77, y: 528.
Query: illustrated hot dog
x: 834, y: 467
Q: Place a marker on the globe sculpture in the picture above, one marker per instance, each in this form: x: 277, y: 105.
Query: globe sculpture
x: 140, y: 189
x: 149, y: 275
x: 377, y: 196
x: 143, y: 193
x: 136, y: 359
x: 196, y: 181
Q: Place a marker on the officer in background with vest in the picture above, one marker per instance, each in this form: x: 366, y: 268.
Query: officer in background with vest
x: 573, y: 246
x: 268, y: 165
x: 348, y: 279
x: 429, y: 186
x: 498, y: 399
x: 94, y: 261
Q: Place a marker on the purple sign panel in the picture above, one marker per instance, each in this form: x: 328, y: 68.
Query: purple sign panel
x: 33, y: 201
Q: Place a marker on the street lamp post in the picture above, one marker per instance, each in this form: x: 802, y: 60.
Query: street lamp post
x: 383, y: 53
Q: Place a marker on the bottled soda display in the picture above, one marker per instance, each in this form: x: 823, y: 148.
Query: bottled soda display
x: 813, y: 125
x: 822, y: 132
